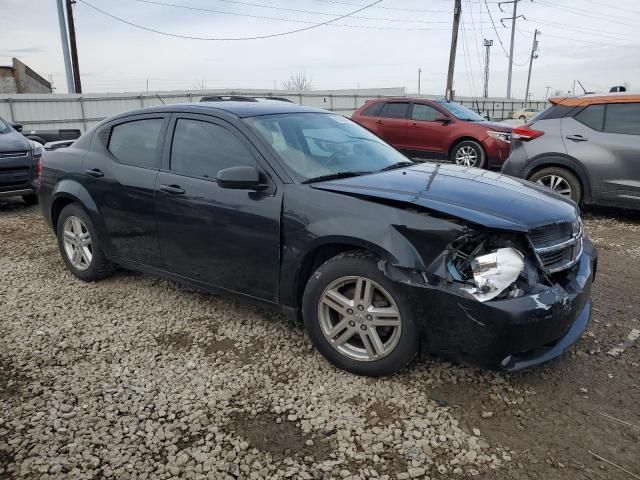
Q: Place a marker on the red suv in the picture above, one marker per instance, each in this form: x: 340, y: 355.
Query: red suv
x: 437, y: 129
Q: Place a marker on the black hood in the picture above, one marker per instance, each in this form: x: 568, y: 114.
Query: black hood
x: 478, y: 196
x: 12, y: 141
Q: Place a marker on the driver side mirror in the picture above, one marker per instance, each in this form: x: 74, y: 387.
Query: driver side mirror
x: 240, y: 178
x: 17, y: 126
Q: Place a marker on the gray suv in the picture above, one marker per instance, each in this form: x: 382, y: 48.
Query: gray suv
x: 586, y: 148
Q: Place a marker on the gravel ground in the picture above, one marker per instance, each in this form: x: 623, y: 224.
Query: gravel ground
x: 136, y: 377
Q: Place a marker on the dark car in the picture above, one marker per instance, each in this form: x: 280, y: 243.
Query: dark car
x: 437, y: 129
x: 306, y: 212
x: 586, y: 148
x: 19, y: 164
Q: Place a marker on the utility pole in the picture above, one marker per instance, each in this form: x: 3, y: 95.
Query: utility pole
x: 534, y: 54
x: 74, y: 48
x: 419, y: 79
x: 513, y: 19
x: 487, y: 46
x: 457, y: 10
x: 65, y: 48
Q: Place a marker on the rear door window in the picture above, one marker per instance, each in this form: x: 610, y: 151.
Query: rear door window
x: 201, y: 149
x: 623, y: 118
x: 395, y: 110
x: 136, y: 142
x: 424, y: 112
x: 591, y: 116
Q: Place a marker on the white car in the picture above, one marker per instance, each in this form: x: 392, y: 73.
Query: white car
x: 525, y: 114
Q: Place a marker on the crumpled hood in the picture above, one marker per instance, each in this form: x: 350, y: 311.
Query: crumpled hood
x: 478, y: 196
x: 13, y: 141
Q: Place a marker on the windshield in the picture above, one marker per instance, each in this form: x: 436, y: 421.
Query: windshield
x: 461, y: 112
x: 315, y: 145
x: 3, y: 126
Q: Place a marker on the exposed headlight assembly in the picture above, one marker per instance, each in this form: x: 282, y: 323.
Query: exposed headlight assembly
x: 494, y: 272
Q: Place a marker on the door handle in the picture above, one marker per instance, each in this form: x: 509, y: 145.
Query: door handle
x: 413, y: 124
x: 94, y: 172
x: 577, y: 138
x: 379, y: 122
x: 172, y: 189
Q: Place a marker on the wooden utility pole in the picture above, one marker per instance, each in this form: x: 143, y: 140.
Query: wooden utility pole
x: 534, y: 54
x: 457, y: 10
x: 74, y: 48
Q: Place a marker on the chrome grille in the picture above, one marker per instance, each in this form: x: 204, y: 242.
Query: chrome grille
x: 14, y: 154
x: 557, y: 246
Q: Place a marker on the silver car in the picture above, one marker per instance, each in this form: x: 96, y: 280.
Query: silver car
x: 586, y: 148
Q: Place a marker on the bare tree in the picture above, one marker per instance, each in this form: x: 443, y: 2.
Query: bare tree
x: 299, y: 82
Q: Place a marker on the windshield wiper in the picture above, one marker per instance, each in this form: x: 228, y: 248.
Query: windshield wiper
x: 404, y: 163
x: 334, y: 176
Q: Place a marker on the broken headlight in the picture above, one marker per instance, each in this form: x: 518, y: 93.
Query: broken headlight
x: 494, y: 272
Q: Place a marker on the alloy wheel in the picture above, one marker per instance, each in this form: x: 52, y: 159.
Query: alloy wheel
x: 467, y: 156
x: 359, y: 318
x: 77, y: 242
x: 555, y: 183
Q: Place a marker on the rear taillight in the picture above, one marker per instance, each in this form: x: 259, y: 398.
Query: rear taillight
x: 525, y: 133
x: 39, y: 170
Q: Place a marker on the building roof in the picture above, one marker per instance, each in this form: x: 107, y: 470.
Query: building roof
x: 594, y: 99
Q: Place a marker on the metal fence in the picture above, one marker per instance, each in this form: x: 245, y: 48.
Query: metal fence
x: 84, y: 111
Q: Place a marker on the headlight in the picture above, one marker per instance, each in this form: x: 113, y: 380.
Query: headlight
x: 503, y: 136
x: 36, y: 149
x: 494, y: 272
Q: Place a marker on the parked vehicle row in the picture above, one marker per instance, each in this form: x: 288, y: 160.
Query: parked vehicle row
x: 305, y: 211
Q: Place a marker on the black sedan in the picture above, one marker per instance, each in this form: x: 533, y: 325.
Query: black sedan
x: 304, y: 211
x: 19, y: 164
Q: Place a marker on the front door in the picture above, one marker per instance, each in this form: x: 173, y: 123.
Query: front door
x: 222, y: 237
x: 425, y: 132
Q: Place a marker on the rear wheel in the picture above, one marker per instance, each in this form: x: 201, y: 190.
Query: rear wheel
x: 468, y: 153
x: 31, y: 199
x: 560, y: 180
x: 358, y: 318
x: 80, y: 246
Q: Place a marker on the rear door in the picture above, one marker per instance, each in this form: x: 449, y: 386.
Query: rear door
x: 606, y: 140
x: 424, y: 133
x: 120, y: 172
x: 393, y: 122
x: 222, y: 237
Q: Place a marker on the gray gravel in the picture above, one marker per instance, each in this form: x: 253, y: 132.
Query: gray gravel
x: 135, y: 377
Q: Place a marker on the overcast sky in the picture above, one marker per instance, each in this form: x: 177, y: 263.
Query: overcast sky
x: 594, y: 41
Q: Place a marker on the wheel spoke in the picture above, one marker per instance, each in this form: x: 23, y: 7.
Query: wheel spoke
x: 77, y: 226
x: 348, y: 333
x: 384, y: 317
x: 86, y: 255
x: 371, y: 353
x: 77, y: 256
x: 336, y: 301
x: 69, y: 235
x: 85, y: 239
x: 376, y: 343
x: 338, y: 327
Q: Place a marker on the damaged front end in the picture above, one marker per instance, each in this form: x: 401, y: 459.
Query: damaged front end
x: 505, y: 300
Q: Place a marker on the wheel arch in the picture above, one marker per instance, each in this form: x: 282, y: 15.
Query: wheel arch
x: 465, y: 138
x: 566, y: 162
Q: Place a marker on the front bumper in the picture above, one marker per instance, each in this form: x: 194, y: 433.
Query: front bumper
x: 510, y: 334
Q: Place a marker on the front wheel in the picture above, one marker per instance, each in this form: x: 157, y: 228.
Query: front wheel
x: 560, y: 180
x: 358, y: 318
x: 80, y: 246
x: 468, y: 153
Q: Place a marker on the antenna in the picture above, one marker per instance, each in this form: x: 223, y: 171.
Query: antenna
x: 582, y: 87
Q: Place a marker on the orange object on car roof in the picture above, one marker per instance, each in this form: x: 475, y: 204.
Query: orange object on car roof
x: 594, y: 99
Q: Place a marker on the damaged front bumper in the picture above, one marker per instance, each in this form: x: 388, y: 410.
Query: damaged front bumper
x: 508, y: 334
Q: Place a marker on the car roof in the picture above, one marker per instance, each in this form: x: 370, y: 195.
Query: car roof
x: 594, y: 99
x: 239, y: 109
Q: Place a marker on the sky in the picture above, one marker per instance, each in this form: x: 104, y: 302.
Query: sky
x: 594, y: 41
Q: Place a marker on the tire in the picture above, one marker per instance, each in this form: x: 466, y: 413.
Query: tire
x: 97, y: 266
x: 547, y: 177
x: 401, y: 341
x: 478, y: 153
x: 31, y: 199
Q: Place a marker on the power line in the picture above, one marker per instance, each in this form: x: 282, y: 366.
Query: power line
x: 465, y: 48
x: 585, y: 30
x: 475, y: 35
x: 496, y: 30
x: 258, y: 37
x: 616, y: 6
x: 336, y: 2
x: 601, y: 17
x: 201, y: 9
x: 600, y: 44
